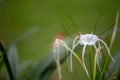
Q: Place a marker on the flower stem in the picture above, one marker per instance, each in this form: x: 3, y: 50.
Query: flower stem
x: 94, y: 74
x: 91, y: 71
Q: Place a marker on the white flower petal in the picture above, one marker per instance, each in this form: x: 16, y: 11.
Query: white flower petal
x: 107, y: 49
x: 88, y: 39
x: 83, y: 53
x: 73, y: 47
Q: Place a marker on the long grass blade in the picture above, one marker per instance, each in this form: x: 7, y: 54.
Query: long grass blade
x: 115, y: 30
x: 112, y: 39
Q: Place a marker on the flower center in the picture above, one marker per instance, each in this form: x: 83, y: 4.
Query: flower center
x: 88, y: 39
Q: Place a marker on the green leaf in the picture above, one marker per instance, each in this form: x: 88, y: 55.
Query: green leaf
x: 12, y: 57
x: 41, y: 66
x: 25, y: 35
x: 113, y: 67
x: 12, y: 52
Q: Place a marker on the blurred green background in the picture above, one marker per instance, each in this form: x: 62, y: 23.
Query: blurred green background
x: 48, y: 17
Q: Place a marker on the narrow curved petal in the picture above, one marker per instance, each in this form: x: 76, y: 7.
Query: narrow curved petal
x: 99, y: 53
x: 56, y: 50
x: 97, y: 57
x: 58, y: 67
x: 83, y: 53
x: 73, y: 47
x: 65, y: 45
x: 56, y: 56
x: 107, y: 49
x: 67, y: 56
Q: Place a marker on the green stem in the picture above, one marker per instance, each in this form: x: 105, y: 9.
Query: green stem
x: 9, y: 69
x: 90, y: 67
x: 104, y: 67
x: 94, y: 74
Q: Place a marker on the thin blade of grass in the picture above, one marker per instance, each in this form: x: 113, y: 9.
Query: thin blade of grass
x: 96, y: 23
x: 115, y: 30
x: 111, y: 43
x: 72, y: 22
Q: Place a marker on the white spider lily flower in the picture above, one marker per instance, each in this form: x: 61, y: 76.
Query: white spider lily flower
x: 56, y: 54
x: 91, y: 40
